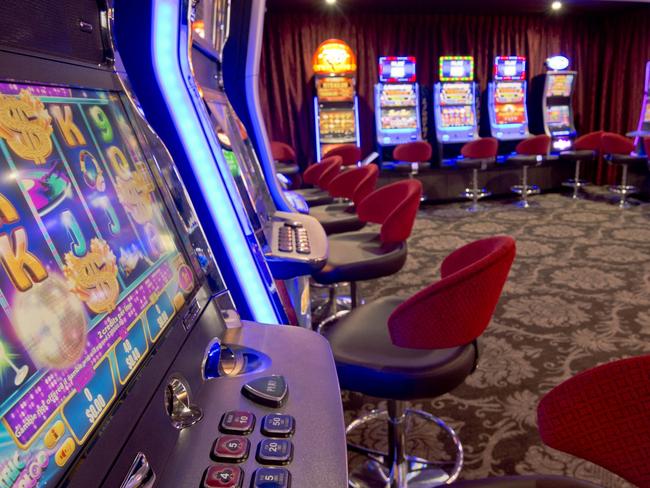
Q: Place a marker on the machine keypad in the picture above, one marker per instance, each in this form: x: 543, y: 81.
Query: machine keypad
x: 278, y: 425
x: 237, y: 422
x: 275, y: 451
x: 223, y: 476
x: 271, y: 478
x: 292, y: 237
x: 231, y: 448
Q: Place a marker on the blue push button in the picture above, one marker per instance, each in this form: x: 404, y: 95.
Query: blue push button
x: 272, y: 478
x: 278, y: 425
x: 275, y: 451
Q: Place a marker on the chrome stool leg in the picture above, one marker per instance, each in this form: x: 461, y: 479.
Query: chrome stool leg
x: 475, y: 193
x: 624, y: 190
x: 336, y: 314
x: 395, y: 469
x: 576, y: 183
x: 524, y: 190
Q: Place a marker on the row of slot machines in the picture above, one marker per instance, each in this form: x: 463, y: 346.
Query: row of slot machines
x: 456, y: 103
x: 140, y: 268
x: 400, y: 102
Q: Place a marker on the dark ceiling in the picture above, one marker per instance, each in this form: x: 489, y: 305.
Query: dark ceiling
x: 459, y: 6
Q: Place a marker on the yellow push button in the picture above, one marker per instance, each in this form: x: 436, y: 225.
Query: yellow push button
x: 54, y: 434
x: 65, y: 452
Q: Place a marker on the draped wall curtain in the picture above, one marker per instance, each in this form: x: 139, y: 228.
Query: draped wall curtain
x: 608, y: 51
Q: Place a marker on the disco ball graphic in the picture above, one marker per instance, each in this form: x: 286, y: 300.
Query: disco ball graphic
x: 51, y: 323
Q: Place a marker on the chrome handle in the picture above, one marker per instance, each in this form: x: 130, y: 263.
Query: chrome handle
x: 140, y: 474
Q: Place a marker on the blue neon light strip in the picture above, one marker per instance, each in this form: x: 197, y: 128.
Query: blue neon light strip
x: 202, y: 159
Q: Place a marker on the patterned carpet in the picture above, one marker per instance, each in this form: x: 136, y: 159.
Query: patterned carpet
x: 578, y: 295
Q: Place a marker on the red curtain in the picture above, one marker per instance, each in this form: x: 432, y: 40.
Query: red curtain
x: 608, y: 51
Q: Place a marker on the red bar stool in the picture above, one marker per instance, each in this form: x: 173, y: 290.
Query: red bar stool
x: 371, y: 254
x: 585, y: 150
x: 411, y: 157
x: 479, y: 154
x: 352, y: 186
x: 285, y: 158
x: 421, y: 347
x: 601, y: 415
x: 619, y: 150
x: 350, y: 154
x: 312, y: 175
x: 533, y: 151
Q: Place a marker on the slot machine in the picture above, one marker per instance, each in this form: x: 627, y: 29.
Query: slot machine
x: 643, y: 129
x: 454, y: 104
x: 554, y: 94
x: 336, y: 107
x: 122, y: 359
x: 507, y: 99
x: 397, y: 104
x: 290, y: 244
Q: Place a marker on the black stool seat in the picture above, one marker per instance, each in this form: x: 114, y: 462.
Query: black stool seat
x: 314, y: 196
x: 337, y: 218
x: 359, y: 256
x: 368, y: 362
x: 533, y: 481
x: 626, y: 159
x: 583, y: 155
x: 476, y: 163
x: 530, y: 160
x: 287, y: 169
x: 406, y: 167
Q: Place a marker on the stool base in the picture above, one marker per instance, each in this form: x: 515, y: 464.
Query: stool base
x: 576, y: 185
x: 395, y: 469
x: 623, y: 191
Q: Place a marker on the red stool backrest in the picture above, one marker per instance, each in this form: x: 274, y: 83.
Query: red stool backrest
x: 483, y: 148
x: 312, y: 174
x: 350, y: 154
x: 589, y: 142
x: 413, y: 152
x: 329, y: 174
x: 393, y: 206
x: 367, y: 185
x: 534, y: 146
x: 601, y: 415
x: 456, y: 309
x: 345, y: 183
x: 283, y: 152
x: 616, y: 144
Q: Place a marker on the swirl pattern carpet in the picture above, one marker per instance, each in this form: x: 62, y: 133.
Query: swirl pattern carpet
x: 578, y: 296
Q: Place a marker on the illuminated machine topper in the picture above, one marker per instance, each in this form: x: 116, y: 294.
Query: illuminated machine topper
x: 397, y: 69
x: 456, y: 68
x: 557, y: 63
x: 334, y: 57
x: 510, y: 68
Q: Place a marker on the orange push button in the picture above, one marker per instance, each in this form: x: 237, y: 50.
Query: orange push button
x: 54, y: 435
x: 65, y: 452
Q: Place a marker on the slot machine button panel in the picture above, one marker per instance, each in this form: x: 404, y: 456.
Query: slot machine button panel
x: 223, y: 476
x: 272, y: 478
x: 275, y: 451
x: 237, y: 422
x: 231, y: 448
x: 278, y: 425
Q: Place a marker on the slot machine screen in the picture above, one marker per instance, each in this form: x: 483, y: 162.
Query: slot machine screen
x: 456, y: 68
x: 336, y: 126
x: 559, y: 85
x: 558, y: 117
x: 398, y: 95
x: 456, y: 117
x: 397, y: 69
x: 509, y: 103
x: 456, y: 94
x: 92, y: 272
x: 335, y: 89
x: 399, y: 118
x: 510, y: 68
x: 245, y: 170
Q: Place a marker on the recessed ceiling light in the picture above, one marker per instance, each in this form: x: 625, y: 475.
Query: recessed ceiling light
x: 330, y: 2
x: 556, y: 5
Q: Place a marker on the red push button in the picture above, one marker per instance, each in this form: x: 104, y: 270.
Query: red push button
x: 230, y: 448
x: 237, y: 422
x: 223, y: 476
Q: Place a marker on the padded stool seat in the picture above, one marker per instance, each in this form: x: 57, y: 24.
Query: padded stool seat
x: 584, y: 155
x: 522, y: 160
x: 364, y: 353
x: 408, y: 168
x: 626, y: 159
x: 532, y: 481
x: 359, y: 256
x: 314, y: 196
x: 476, y: 163
x: 337, y: 218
